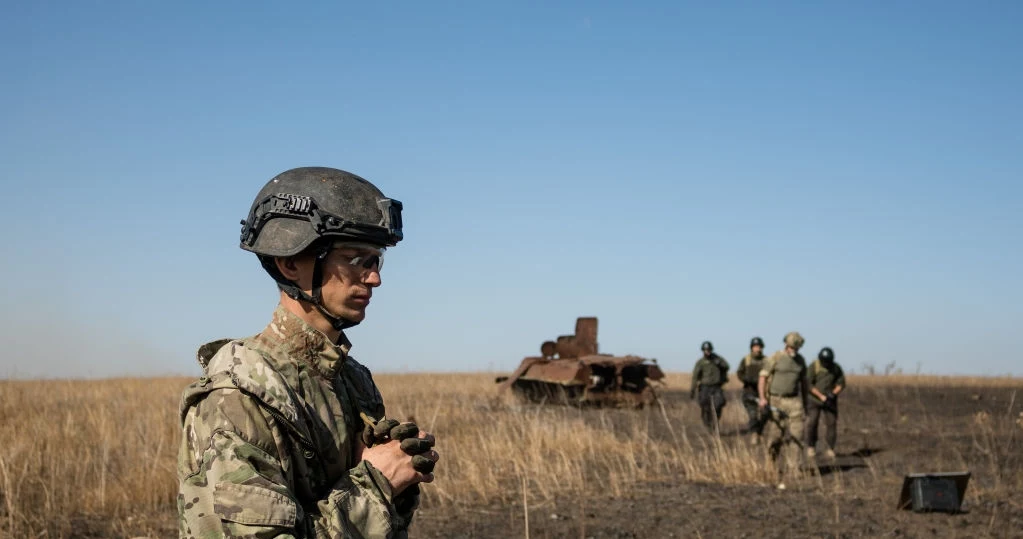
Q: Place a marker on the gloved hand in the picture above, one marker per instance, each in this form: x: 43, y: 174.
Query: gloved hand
x: 692, y: 395
x: 386, y: 430
x: 416, y: 447
x: 377, y: 432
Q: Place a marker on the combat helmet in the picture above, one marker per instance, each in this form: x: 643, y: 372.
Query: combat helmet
x: 756, y: 341
x: 308, y: 209
x: 794, y: 339
x: 707, y: 346
x: 826, y: 354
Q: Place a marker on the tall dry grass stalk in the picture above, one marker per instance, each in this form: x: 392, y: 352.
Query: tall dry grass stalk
x: 77, y: 452
x: 100, y: 455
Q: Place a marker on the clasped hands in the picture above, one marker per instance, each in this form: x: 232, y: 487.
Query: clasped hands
x: 400, y: 451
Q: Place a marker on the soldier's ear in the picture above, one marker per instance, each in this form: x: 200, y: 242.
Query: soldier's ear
x: 288, y: 266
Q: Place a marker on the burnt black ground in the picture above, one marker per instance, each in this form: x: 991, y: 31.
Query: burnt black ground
x: 885, y: 431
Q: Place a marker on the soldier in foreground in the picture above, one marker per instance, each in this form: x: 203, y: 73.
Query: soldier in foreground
x: 709, y: 374
x: 749, y: 374
x: 783, y: 387
x: 826, y: 381
x: 285, y: 434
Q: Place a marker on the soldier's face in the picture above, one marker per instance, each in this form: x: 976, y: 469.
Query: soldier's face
x: 350, y: 274
x: 757, y: 349
x: 707, y: 352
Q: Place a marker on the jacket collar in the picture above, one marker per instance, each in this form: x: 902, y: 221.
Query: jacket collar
x: 292, y: 337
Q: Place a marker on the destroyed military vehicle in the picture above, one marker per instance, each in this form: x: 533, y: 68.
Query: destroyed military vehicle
x: 572, y: 371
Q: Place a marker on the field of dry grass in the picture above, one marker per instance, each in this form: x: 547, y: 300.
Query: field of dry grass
x: 96, y: 458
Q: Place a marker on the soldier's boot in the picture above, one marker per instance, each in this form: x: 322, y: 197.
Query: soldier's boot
x: 811, y: 452
x: 830, y: 453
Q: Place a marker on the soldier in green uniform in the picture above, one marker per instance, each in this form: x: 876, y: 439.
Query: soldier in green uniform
x: 709, y: 374
x: 783, y: 388
x: 749, y: 374
x: 826, y: 381
x: 285, y: 435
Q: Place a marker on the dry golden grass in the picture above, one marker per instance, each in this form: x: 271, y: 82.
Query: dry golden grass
x: 78, y: 452
x: 98, y: 457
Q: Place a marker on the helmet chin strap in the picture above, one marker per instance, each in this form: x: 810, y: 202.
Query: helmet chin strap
x: 336, y: 322
x: 316, y: 299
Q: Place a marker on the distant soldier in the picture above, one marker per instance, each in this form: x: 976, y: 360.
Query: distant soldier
x: 783, y: 387
x: 826, y: 381
x: 709, y: 374
x: 749, y: 374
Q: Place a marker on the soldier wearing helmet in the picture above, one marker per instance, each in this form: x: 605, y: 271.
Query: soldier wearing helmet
x: 749, y: 374
x: 709, y: 374
x: 285, y: 434
x: 826, y: 381
x: 783, y: 388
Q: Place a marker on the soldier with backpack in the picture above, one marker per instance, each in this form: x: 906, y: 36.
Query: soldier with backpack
x: 826, y: 381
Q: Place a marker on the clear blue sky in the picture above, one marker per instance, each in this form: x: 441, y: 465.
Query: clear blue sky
x: 682, y: 171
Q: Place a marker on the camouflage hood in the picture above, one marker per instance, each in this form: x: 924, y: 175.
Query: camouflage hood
x: 228, y: 364
x: 263, y: 366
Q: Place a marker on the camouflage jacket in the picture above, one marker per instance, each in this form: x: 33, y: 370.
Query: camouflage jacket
x: 269, y: 438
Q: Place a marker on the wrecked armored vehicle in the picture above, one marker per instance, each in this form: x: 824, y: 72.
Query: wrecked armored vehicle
x: 571, y: 371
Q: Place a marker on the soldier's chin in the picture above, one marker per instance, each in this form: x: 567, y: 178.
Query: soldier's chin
x: 354, y: 314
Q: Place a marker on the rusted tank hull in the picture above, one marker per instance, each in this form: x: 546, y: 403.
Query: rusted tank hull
x: 571, y: 371
x: 591, y: 380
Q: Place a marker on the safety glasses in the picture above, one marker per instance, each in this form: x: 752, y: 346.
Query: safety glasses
x: 362, y: 256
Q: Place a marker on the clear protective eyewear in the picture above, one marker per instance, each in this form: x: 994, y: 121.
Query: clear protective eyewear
x: 368, y: 257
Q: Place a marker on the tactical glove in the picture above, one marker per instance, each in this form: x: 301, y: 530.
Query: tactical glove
x: 378, y: 432
x: 385, y: 430
x: 416, y: 447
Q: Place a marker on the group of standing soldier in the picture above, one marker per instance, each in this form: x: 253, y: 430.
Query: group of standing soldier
x: 780, y: 390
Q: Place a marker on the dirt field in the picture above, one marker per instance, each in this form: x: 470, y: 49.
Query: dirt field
x: 96, y: 459
x: 887, y: 428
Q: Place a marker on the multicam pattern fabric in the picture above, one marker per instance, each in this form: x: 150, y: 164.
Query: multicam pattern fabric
x: 269, y: 439
x: 783, y: 436
x: 794, y: 339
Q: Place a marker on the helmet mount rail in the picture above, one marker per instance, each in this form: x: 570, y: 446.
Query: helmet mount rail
x: 305, y: 208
